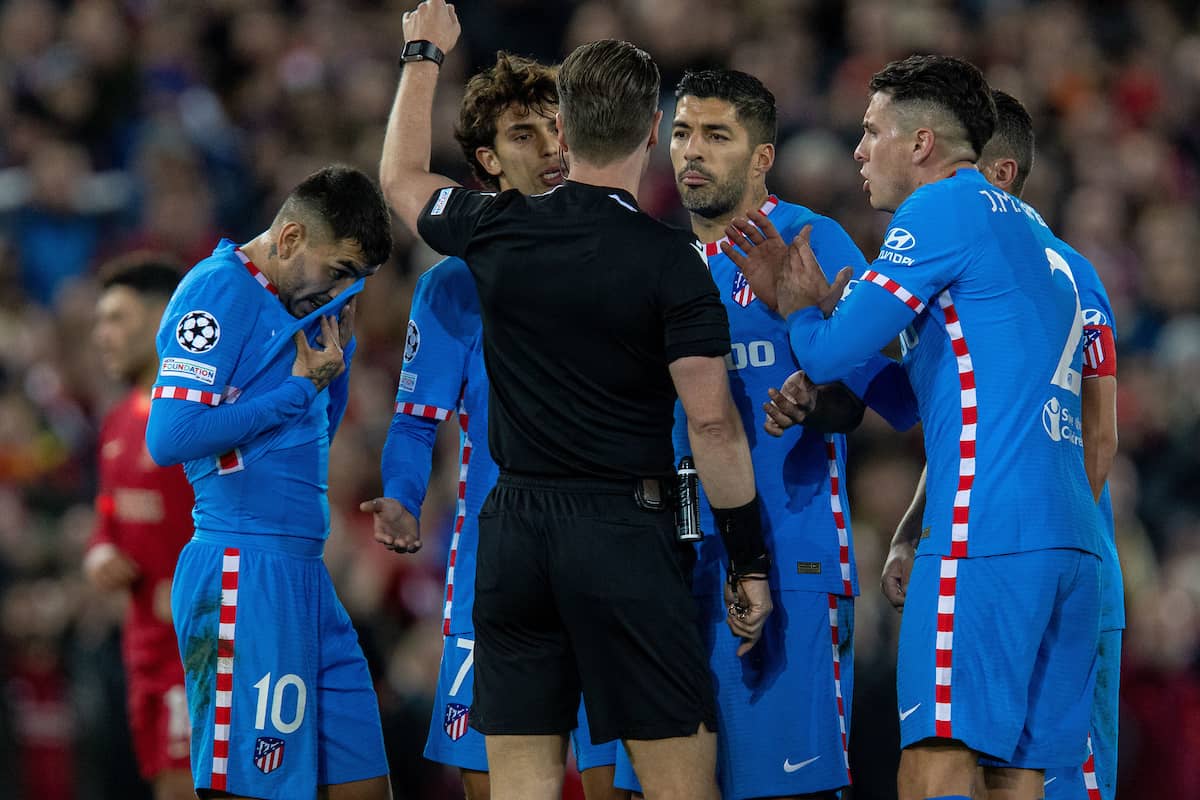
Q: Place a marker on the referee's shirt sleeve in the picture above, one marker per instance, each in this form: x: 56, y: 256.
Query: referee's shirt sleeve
x: 694, y: 319
x: 448, y: 220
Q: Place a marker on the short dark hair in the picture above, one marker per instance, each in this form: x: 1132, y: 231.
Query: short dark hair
x: 1013, y: 137
x: 952, y: 84
x: 753, y: 102
x: 607, y: 95
x: 511, y: 81
x: 351, y: 204
x: 150, y: 274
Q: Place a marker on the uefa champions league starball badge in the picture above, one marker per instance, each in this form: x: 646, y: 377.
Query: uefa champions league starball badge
x: 198, y: 332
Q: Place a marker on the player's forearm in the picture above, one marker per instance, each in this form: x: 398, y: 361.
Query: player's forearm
x: 1099, y: 425
x: 182, y: 430
x: 407, y: 459
x: 837, y: 410
x: 404, y: 166
x: 909, y: 529
x: 829, y: 350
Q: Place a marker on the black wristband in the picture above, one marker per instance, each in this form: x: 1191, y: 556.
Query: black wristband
x: 741, y: 531
x: 421, y: 50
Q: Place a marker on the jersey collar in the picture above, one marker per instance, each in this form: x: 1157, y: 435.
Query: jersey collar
x: 714, y: 248
x: 255, y: 272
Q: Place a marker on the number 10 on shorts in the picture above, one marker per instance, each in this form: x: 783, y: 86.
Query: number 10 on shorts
x: 278, y: 699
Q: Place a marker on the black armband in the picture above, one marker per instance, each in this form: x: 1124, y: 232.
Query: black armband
x: 741, y: 531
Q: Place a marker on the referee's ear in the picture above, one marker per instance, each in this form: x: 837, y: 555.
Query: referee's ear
x: 658, y: 115
x: 562, y: 132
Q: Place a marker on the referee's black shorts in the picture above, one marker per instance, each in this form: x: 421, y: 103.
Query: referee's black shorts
x: 579, y: 587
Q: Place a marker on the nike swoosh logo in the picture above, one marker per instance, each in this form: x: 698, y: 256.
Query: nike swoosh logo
x: 1052, y: 780
x: 790, y: 767
x: 906, y: 714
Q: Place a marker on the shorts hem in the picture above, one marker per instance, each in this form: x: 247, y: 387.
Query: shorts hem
x: 522, y: 729
x: 983, y: 754
x: 674, y: 729
x: 344, y: 779
x: 450, y: 761
x: 733, y: 793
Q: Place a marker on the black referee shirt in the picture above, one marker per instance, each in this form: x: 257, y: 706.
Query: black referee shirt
x: 585, y: 300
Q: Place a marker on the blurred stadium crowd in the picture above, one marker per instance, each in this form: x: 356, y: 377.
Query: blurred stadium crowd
x: 163, y: 124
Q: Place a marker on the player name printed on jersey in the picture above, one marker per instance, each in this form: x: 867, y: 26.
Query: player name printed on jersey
x: 455, y: 723
x: 268, y: 754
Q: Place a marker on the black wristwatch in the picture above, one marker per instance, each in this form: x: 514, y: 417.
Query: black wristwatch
x: 421, y: 50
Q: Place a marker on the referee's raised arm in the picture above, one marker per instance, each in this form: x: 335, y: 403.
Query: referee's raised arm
x: 430, y: 32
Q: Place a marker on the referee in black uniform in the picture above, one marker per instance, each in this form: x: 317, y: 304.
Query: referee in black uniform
x: 594, y: 316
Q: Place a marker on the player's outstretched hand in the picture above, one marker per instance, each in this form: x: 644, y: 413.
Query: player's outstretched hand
x: 896, y: 571
x: 108, y: 568
x: 790, y: 404
x: 804, y: 283
x: 762, y: 256
x: 323, y: 365
x: 749, y: 604
x: 834, y: 296
x: 395, y: 528
x: 434, y: 21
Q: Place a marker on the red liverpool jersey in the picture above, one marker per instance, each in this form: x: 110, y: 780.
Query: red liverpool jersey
x: 145, y: 511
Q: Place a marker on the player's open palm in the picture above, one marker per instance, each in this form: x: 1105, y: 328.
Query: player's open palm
x: 805, y: 283
x: 395, y: 528
x: 762, y: 257
x: 324, y: 362
x: 896, y: 571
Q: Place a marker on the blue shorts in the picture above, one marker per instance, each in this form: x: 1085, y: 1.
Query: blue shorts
x: 1096, y: 779
x: 451, y: 741
x: 999, y: 653
x: 783, y: 709
x: 279, y: 695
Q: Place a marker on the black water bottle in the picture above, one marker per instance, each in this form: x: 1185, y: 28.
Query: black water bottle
x: 687, y: 512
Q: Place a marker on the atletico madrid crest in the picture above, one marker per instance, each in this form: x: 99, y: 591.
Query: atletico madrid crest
x: 268, y: 754
x: 455, y: 724
x: 742, y: 294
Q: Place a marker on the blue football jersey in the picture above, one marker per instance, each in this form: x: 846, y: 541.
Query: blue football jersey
x: 800, y: 476
x: 992, y: 332
x: 444, y: 374
x: 226, y: 338
x: 1099, y: 358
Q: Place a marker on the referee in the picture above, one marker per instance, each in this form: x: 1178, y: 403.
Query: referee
x: 594, y: 316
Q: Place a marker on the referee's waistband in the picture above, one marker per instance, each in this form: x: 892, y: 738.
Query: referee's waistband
x: 585, y: 485
x: 295, y: 546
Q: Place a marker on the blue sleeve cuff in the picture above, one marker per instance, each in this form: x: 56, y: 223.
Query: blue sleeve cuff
x: 831, y: 349
x: 407, y: 459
